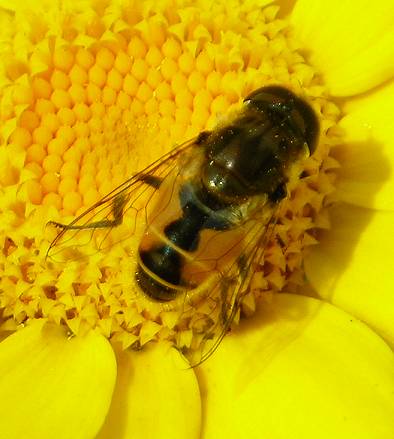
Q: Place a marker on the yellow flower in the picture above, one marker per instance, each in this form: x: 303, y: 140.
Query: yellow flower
x: 86, y: 89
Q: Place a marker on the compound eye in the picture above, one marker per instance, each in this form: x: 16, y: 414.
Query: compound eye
x: 308, y: 123
x: 300, y: 113
x: 271, y: 94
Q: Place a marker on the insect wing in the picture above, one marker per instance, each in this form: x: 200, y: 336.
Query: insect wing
x: 117, y: 216
x: 226, y: 293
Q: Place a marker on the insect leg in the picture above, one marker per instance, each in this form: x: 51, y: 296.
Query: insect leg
x: 151, y: 180
x: 202, y: 137
x: 118, y: 205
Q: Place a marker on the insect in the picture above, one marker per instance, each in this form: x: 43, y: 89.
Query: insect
x: 209, y: 206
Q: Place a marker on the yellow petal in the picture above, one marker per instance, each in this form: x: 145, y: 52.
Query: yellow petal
x: 156, y: 397
x: 367, y: 156
x: 351, y: 43
x: 54, y: 387
x: 352, y: 266
x: 300, y: 368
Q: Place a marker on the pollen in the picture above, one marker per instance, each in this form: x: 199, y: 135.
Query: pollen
x: 100, y: 99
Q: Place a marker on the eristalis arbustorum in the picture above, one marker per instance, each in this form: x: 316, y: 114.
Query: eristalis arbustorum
x: 210, y: 204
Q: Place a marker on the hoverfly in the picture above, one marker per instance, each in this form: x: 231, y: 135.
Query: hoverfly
x: 208, y: 206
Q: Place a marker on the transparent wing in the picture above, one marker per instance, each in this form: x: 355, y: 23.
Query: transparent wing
x: 117, y: 216
x: 224, y: 297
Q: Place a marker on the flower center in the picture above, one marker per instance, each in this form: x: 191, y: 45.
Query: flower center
x: 99, y: 99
